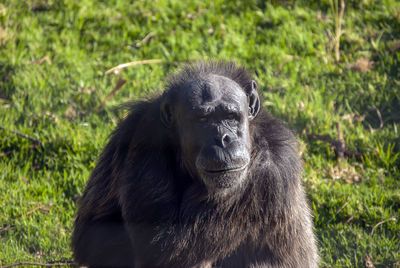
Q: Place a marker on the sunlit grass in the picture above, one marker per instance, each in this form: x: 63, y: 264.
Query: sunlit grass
x: 53, y: 61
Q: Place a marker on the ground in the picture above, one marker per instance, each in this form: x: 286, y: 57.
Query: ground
x: 316, y: 66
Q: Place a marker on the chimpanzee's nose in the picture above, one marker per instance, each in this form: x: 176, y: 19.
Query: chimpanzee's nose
x: 223, y: 140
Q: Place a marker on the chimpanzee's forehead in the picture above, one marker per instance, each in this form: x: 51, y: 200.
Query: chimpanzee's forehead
x: 211, y: 89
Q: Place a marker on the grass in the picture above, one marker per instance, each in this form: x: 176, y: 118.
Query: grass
x: 53, y: 59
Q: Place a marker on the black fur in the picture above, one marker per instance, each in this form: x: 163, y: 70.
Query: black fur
x: 141, y: 208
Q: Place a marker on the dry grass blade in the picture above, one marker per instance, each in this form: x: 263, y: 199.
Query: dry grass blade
x: 120, y: 83
x: 338, y: 211
x: 393, y: 218
x: 118, y: 68
x: 338, y: 14
x: 7, y: 228
x: 340, y: 145
x: 40, y: 61
x: 41, y: 207
x: 342, y: 207
x: 350, y: 219
x: 286, y: 59
x: 145, y: 39
x: 22, y: 135
x: 52, y: 264
x: 380, y: 117
x: 34, y: 209
x: 321, y: 138
x: 339, y: 31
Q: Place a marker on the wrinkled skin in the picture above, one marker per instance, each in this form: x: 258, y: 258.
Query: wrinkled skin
x: 212, y: 117
x: 197, y: 177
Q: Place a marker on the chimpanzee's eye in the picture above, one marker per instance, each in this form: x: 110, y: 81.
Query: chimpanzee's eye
x: 231, y: 116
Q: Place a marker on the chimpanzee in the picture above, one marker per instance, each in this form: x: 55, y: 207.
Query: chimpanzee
x: 200, y: 176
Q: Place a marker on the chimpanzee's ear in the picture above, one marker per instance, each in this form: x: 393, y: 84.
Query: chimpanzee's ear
x: 166, y: 113
x: 254, y: 100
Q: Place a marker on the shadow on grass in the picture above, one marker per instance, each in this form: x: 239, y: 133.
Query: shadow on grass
x: 51, y: 159
x: 7, y: 86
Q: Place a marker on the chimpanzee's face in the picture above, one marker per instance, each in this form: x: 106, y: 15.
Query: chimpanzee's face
x: 212, y: 120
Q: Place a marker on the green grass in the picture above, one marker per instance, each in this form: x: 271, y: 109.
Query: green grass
x: 287, y: 44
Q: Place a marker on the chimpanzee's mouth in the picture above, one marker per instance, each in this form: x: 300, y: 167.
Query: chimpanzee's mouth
x: 224, y: 170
